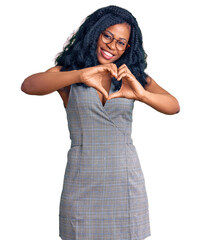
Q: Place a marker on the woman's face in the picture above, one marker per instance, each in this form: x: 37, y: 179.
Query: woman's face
x: 108, y: 52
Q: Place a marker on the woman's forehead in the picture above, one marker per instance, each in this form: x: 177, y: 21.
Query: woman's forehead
x: 121, y: 30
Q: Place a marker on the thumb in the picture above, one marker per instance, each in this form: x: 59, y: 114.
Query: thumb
x: 115, y: 95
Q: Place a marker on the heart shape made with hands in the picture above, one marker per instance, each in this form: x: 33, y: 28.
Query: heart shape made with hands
x: 130, y: 87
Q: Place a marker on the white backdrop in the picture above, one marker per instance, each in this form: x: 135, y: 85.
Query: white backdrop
x: 34, y: 132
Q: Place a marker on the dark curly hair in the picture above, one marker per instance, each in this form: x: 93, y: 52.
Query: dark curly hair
x: 80, y: 49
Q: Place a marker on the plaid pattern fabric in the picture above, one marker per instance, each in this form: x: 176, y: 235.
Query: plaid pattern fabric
x: 104, y: 195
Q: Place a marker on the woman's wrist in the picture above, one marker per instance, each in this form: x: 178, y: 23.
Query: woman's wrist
x: 145, y: 96
x: 80, y: 75
x: 142, y: 96
x: 73, y: 76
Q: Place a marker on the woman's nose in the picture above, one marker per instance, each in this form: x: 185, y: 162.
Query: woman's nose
x: 112, y: 45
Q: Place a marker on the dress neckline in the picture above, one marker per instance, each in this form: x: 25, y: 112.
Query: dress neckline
x: 99, y: 100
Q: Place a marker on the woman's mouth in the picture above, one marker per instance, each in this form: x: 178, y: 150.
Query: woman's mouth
x: 106, y: 54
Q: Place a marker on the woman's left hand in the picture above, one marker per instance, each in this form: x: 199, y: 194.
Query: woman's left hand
x: 130, y: 87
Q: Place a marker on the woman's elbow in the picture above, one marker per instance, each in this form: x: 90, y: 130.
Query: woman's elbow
x: 30, y: 85
x: 25, y: 87
x: 177, y: 106
x: 175, y: 109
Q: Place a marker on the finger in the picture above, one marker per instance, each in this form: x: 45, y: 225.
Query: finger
x: 123, y: 74
x: 115, y: 95
x: 122, y: 66
x: 112, y: 72
x: 112, y: 68
x: 115, y: 69
x: 103, y: 91
x: 121, y: 71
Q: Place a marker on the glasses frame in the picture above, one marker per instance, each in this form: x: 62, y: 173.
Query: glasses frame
x: 117, y: 40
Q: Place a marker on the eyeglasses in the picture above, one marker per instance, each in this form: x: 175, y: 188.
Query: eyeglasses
x: 108, y: 37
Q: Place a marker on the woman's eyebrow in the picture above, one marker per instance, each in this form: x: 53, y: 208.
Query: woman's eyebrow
x: 113, y: 35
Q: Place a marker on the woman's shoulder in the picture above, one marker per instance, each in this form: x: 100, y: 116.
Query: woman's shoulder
x: 148, y: 80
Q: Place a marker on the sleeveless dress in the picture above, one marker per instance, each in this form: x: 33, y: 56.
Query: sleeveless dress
x: 104, y: 195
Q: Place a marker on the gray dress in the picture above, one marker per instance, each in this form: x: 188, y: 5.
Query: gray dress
x: 104, y: 195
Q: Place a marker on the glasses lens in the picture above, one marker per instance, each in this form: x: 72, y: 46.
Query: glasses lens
x: 107, y: 37
x: 121, y: 44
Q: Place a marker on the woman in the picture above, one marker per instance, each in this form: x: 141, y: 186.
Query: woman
x: 99, y: 74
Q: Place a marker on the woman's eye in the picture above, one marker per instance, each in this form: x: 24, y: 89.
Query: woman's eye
x: 107, y: 36
x: 121, y: 43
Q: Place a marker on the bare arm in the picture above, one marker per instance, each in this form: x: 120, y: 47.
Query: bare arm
x: 159, y: 99
x: 47, y: 82
x: 152, y: 95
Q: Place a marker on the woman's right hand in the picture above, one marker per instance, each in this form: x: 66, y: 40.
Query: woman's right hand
x: 97, y: 75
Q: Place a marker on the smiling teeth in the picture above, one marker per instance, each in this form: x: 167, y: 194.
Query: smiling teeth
x: 108, y: 54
